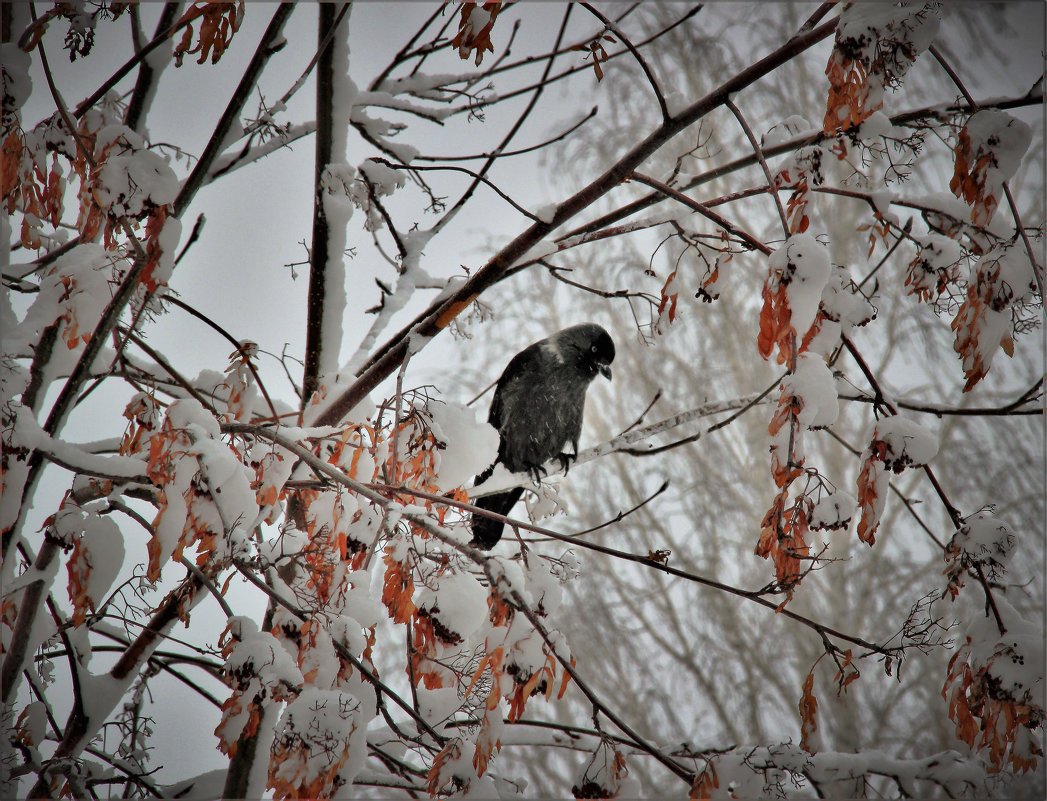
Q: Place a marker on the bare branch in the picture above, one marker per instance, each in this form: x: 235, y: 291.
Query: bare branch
x: 636, y: 54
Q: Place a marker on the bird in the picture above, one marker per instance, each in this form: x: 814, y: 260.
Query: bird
x: 537, y: 410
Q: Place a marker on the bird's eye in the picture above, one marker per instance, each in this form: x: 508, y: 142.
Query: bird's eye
x: 594, y: 348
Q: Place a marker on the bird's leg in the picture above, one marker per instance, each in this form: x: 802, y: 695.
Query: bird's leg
x: 565, y: 461
x: 566, y: 458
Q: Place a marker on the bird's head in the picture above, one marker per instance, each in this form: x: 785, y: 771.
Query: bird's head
x: 589, y: 346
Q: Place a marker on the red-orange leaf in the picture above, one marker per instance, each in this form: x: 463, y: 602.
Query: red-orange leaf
x: 474, y: 30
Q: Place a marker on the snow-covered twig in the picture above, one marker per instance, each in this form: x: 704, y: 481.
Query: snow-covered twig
x: 231, y: 162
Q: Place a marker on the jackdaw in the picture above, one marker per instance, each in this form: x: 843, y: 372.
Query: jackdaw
x: 537, y: 409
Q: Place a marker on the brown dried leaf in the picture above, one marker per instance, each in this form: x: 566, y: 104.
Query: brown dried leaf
x: 808, y: 710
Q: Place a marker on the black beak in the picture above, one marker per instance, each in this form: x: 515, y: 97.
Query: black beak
x: 605, y: 371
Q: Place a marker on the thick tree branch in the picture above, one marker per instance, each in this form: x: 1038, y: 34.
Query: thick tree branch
x: 320, y: 259
x: 145, y: 84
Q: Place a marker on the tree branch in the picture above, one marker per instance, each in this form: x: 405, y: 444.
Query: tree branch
x: 659, y: 96
x: 440, y: 315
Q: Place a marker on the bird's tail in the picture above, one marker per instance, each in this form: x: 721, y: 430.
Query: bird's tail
x: 487, y: 532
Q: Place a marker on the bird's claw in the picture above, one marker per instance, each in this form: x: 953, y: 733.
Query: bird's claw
x: 565, y: 461
x: 538, y: 472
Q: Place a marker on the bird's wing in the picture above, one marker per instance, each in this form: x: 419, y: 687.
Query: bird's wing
x: 521, y: 371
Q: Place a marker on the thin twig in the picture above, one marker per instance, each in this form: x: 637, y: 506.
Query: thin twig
x: 639, y: 420
x: 476, y: 176
x: 521, y: 151
x: 268, y: 46
x: 401, y: 55
x: 1008, y: 410
x: 952, y: 511
x: 194, y: 236
x: 636, y: 54
x: 87, y: 103
x: 618, y: 518
x: 627, y: 294
x: 510, y: 135
x: 232, y: 340
x: 701, y: 208
x: 584, y: 66
x: 758, y: 151
x: 179, y: 379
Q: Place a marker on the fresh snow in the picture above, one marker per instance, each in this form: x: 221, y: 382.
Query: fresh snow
x: 1004, y: 138
x: 101, y: 545
x: 833, y: 511
x: 908, y: 444
x: 863, y: 25
x: 803, y: 265
x: 813, y: 383
x: 458, y: 600
x: 470, y: 445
